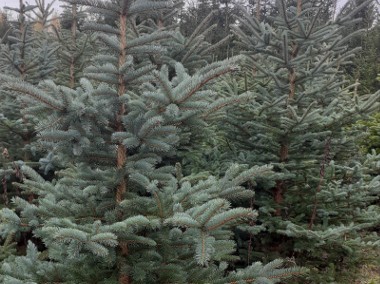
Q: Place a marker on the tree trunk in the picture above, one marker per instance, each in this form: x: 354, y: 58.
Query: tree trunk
x: 121, y: 157
x: 284, y: 149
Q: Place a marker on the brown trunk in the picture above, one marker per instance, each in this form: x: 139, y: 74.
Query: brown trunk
x: 335, y: 3
x: 251, y: 224
x: 324, y: 163
x: 124, y: 278
x: 292, y: 72
x: 22, y: 70
x: 284, y: 150
x: 258, y: 10
x: 160, y: 23
x: 278, y: 198
x: 292, y: 84
x: 72, y: 74
x: 280, y: 186
x: 121, y: 156
x: 121, y: 150
x: 74, y: 38
x: 74, y: 22
x: 22, y: 31
x: 121, y: 159
x: 5, y: 155
x: 299, y: 7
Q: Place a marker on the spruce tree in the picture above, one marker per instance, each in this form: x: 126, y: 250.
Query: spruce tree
x: 219, y: 15
x: 119, y: 211
x: 365, y: 66
x: 4, y: 25
x: 322, y: 207
x: 76, y: 46
x: 27, y: 54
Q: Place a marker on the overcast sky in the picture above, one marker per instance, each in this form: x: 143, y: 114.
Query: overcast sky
x: 15, y: 3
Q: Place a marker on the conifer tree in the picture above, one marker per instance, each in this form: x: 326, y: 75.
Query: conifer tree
x: 119, y: 211
x: 193, y: 51
x: 4, y: 25
x: 321, y: 203
x: 365, y: 66
x: 28, y: 55
x: 219, y: 15
x: 76, y: 46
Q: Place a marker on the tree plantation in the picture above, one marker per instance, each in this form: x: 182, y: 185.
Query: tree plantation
x: 152, y: 141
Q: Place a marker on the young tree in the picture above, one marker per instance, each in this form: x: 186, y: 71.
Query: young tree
x: 119, y: 211
x: 365, y: 66
x: 322, y: 197
x: 219, y: 15
x: 29, y: 56
x: 76, y: 46
x: 4, y: 25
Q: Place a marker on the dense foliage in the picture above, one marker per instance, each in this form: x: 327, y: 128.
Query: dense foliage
x: 155, y: 142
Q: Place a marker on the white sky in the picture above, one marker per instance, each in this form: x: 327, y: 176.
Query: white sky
x: 15, y: 3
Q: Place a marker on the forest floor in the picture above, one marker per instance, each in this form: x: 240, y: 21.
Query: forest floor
x: 370, y: 273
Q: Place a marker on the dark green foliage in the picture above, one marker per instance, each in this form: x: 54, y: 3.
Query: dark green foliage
x: 322, y: 195
x: 8, y: 248
x: 220, y: 15
x: 365, y: 66
x: 369, y: 133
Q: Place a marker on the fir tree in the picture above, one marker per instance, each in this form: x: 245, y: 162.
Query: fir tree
x: 119, y: 211
x: 322, y: 197
x: 76, y: 47
x: 28, y: 55
x: 216, y: 15
x: 4, y: 25
x: 365, y: 66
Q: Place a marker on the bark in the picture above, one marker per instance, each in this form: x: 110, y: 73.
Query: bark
x: 121, y: 156
x: 121, y: 149
x: 284, y: 148
x: 74, y: 39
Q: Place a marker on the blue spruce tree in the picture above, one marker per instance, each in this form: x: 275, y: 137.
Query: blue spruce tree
x: 322, y: 207
x: 119, y: 210
x: 27, y: 54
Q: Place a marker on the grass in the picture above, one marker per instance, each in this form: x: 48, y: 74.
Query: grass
x: 370, y: 273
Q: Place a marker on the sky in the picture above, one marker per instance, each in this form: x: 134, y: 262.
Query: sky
x: 15, y: 3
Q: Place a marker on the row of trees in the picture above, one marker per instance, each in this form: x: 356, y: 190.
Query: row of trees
x: 152, y: 142
x: 365, y: 67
